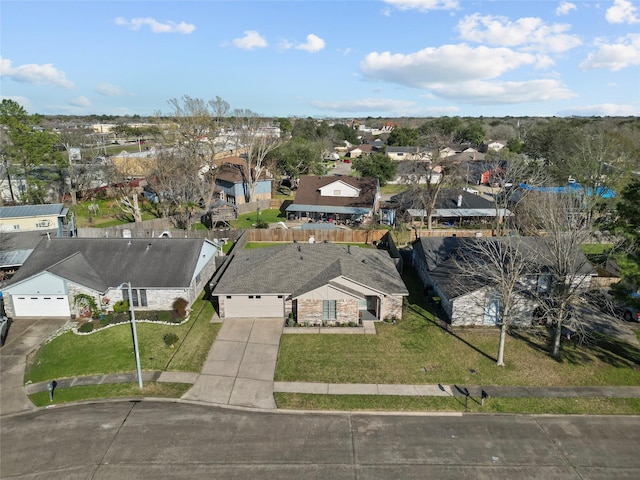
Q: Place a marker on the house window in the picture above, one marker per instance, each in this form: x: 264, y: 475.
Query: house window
x: 143, y: 297
x: 136, y: 303
x: 250, y: 297
x: 231, y: 199
x: 228, y: 296
x: 16, y: 227
x: 329, y: 310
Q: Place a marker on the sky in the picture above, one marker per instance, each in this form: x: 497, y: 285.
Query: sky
x: 308, y: 58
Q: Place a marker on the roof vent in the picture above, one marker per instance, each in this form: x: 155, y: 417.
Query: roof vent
x: 148, y: 246
x: 349, y: 249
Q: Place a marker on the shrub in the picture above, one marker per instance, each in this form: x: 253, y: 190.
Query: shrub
x: 121, y: 306
x: 180, y: 307
x: 86, y: 327
x: 291, y: 322
x: 170, y: 339
x: 262, y: 224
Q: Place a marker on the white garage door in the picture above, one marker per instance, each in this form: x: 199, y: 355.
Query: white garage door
x: 41, y: 306
x: 253, y: 306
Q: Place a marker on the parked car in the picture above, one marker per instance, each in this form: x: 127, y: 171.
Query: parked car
x: 628, y: 309
x: 4, y: 329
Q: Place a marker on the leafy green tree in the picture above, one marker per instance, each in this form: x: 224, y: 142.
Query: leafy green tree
x: 297, y: 157
x: 377, y: 165
x: 628, y: 226
x: 403, y: 137
x: 472, y: 132
x: 285, y: 126
x: 343, y: 132
x: 310, y: 129
x: 29, y: 151
x: 514, y: 145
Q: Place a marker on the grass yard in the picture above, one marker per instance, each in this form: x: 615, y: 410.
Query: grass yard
x: 418, y: 351
x: 111, y: 350
x: 112, y: 390
x: 558, y: 406
x: 106, y: 213
x: 248, y: 220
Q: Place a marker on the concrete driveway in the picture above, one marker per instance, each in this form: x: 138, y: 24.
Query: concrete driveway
x: 241, y: 364
x: 25, y: 336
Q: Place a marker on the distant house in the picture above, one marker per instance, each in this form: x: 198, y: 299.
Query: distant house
x: 408, y: 153
x: 332, y: 198
x: 160, y: 270
x: 233, y: 186
x: 465, y: 302
x: 416, y: 172
x: 316, y: 283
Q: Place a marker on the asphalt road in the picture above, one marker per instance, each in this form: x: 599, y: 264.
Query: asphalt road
x: 156, y: 440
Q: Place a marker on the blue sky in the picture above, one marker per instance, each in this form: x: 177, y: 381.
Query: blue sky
x: 324, y: 58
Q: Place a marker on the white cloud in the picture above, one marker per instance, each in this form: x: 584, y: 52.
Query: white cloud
x: 615, y: 56
x: 528, y: 33
x: 622, y: 11
x: 565, y: 8
x: 447, y: 63
x: 424, y: 5
x: 156, y: 26
x: 44, y: 74
x: 251, y: 39
x: 492, y: 93
x: 314, y: 44
x: 23, y: 101
x: 108, y: 90
x: 80, y: 101
x: 602, y: 110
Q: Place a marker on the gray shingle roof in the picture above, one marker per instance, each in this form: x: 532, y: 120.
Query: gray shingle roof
x: 32, y: 210
x: 99, y: 263
x: 440, y: 256
x: 299, y: 268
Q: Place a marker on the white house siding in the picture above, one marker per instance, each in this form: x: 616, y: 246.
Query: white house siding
x: 339, y: 189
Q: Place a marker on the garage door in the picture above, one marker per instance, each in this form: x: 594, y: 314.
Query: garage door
x: 253, y: 306
x: 41, y: 306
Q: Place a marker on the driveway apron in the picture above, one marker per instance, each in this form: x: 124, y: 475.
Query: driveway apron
x: 241, y: 364
x: 25, y: 336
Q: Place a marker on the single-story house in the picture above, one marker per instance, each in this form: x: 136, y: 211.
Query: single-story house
x: 453, y: 206
x: 416, y: 172
x: 473, y: 302
x: 317, y: 283
x: 408, y: 153
x: 232, y: 184
x: 36, y: 218
x: 160, y: 270
x: 336, y: 199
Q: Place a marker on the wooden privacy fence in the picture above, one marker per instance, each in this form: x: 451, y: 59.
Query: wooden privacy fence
x: 321, y: 235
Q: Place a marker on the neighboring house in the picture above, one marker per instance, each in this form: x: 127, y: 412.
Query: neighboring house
x: 134, y: 164
x: 466, y: 302
x: 408, y: 153
x: 37, y: 218
x: 355, y: 152
x: 317, y: 283
x: 233, y: 186
x: 453, y: 206
x: 494, y: 145
x: 160, y: 270
x: 336, y: 198
x: 416, y: 172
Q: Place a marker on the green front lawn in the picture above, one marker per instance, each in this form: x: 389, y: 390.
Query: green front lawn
x: 418, y: 351
x: 111, y: 350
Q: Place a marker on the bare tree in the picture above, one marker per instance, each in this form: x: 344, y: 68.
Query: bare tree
x: 78, y: 172
x: 499, y: 267
x: 567, y: 270
x: 511, y: 176
x: 256, y: 138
